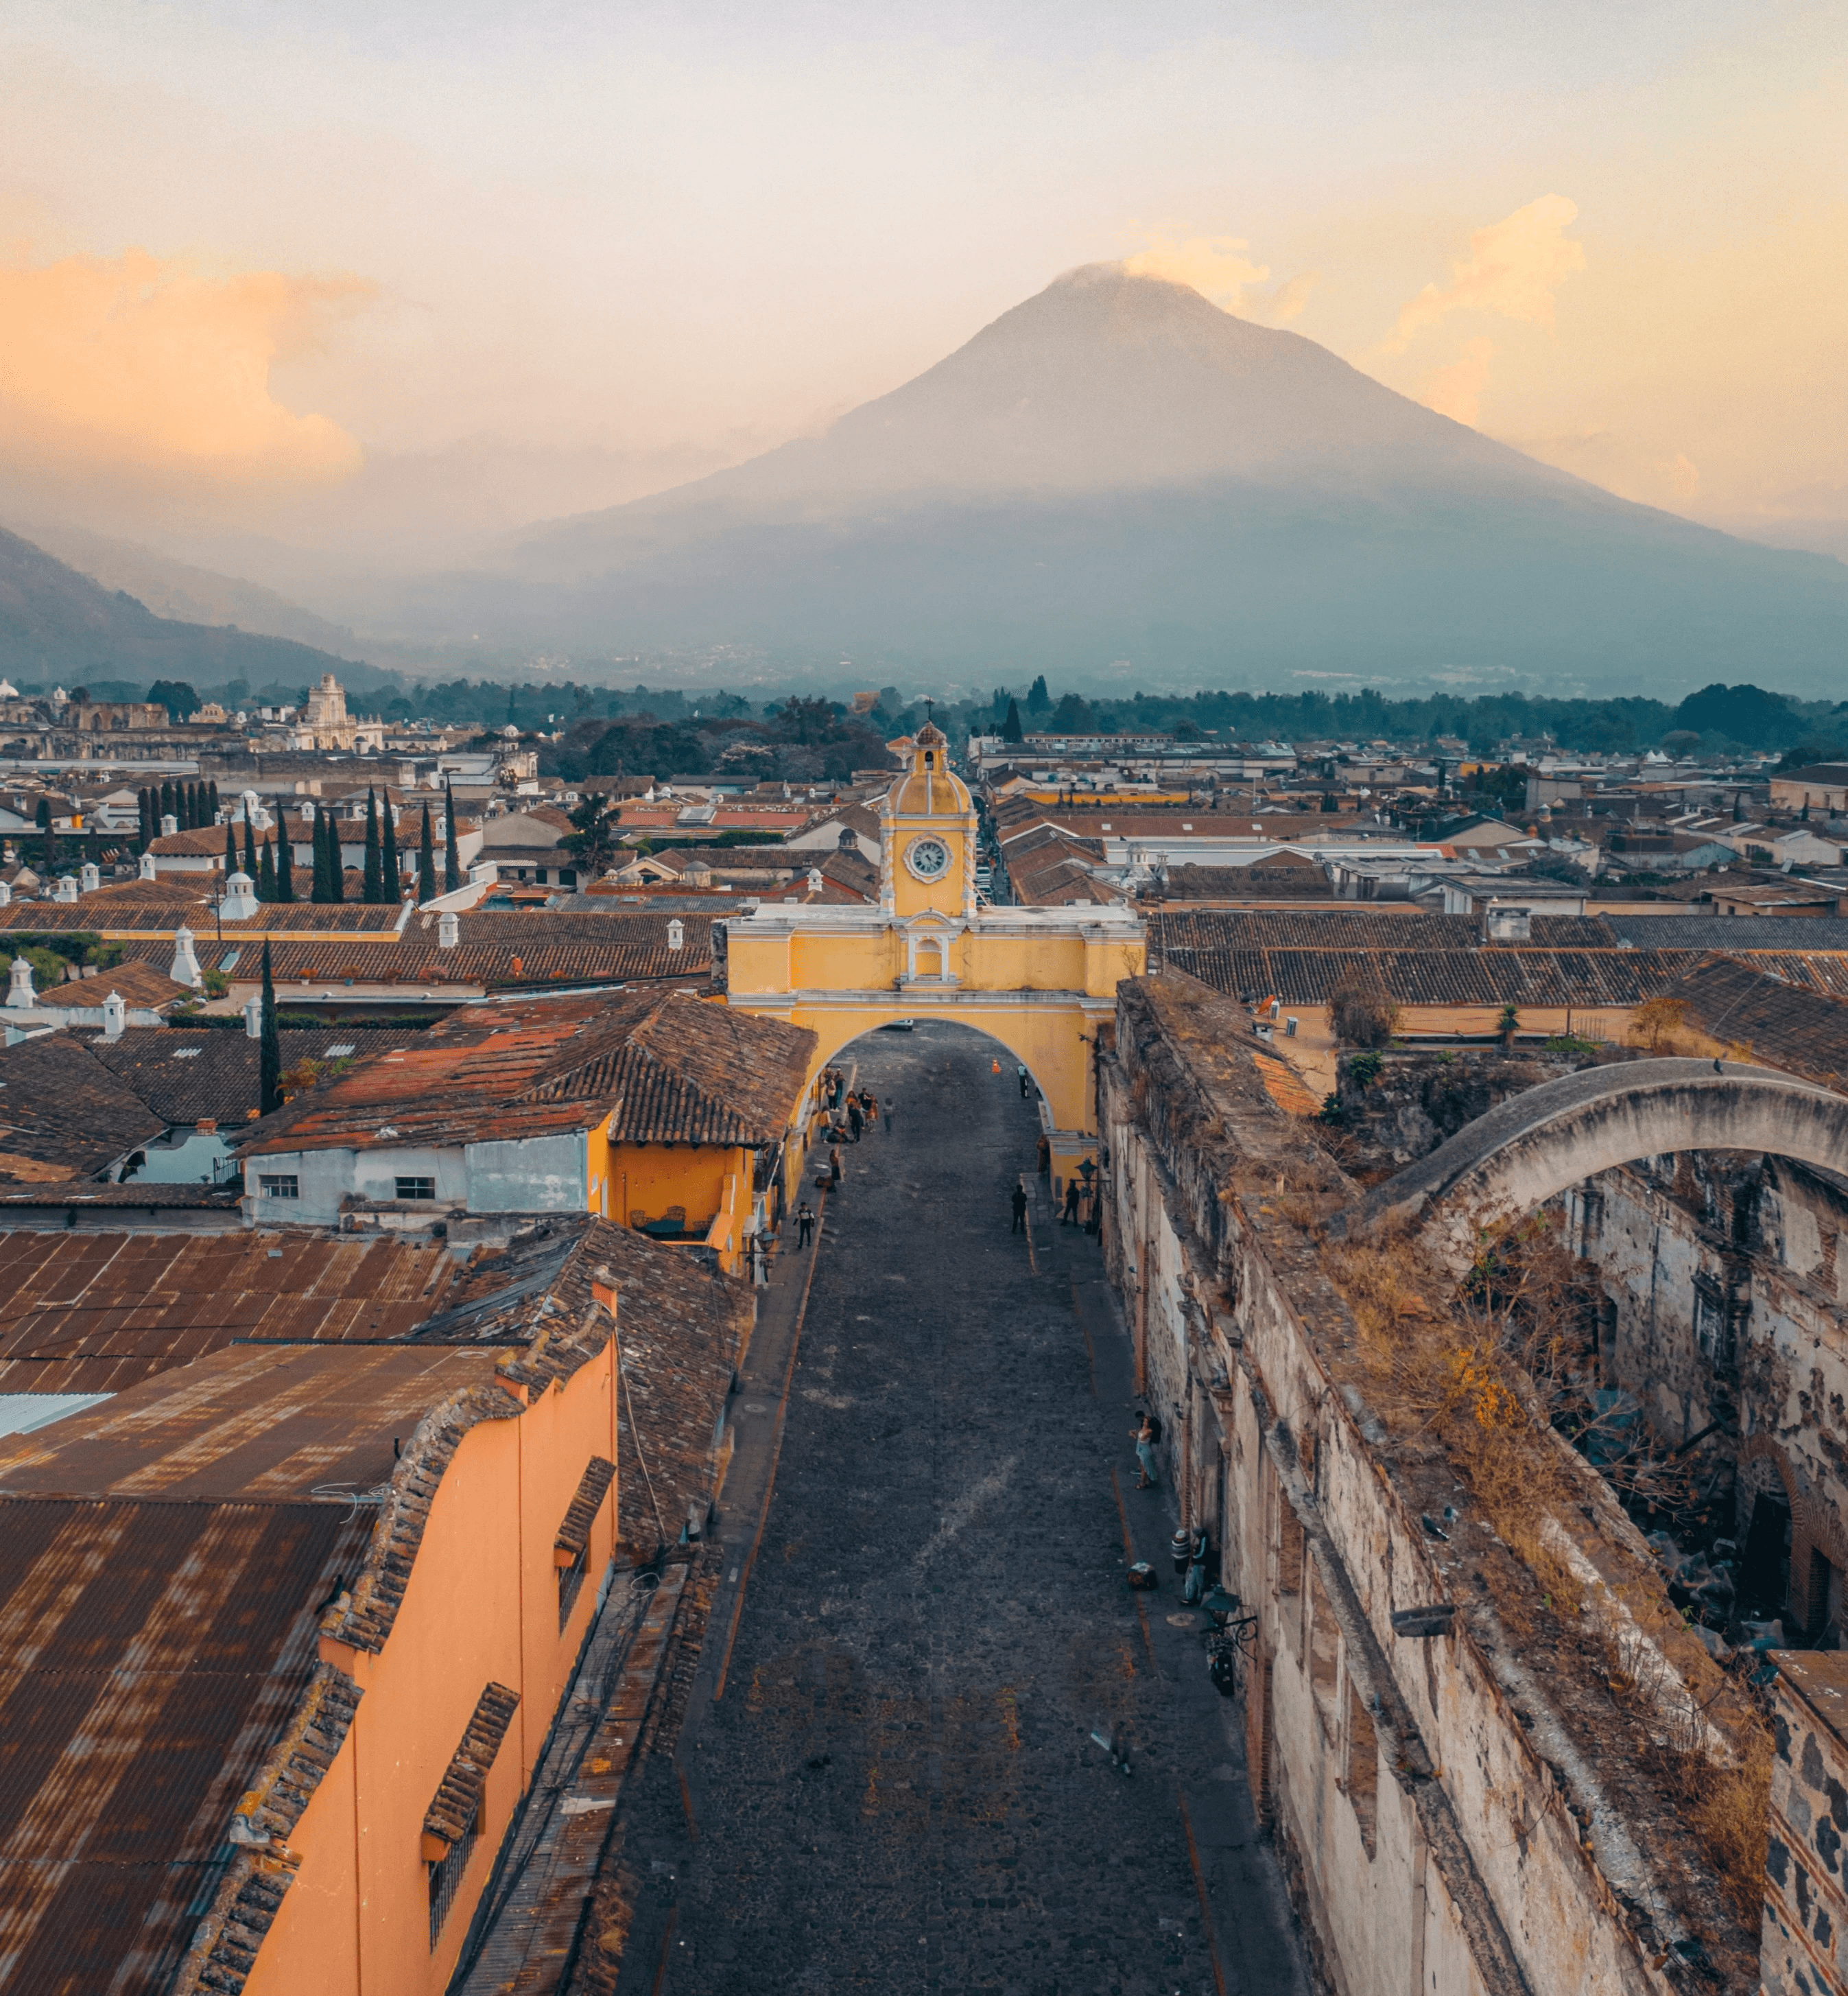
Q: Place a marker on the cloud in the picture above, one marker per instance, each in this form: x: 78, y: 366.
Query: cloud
x: 1215, y: 266
x: 155, y: 372
x: 1456, y: 391
x: 1514, y: 268
x: 1288, y: 300
x: 1218, y: 268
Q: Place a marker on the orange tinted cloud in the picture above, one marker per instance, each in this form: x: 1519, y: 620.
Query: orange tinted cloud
x: 1456, y: 391
x: 1215, y: 266
x: 1514, y: 268
x: 134, y: 366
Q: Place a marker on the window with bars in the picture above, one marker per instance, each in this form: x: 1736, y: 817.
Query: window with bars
x: 278, y: 1185
x: 446, y: 1875
x: 415, y: 1188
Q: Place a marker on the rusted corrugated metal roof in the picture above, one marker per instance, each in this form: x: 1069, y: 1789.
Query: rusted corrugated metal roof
x: 83, y: 1312
x: 160, y: 1650
x: 281, y: 1423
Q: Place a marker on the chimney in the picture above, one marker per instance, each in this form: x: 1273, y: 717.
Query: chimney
x: 240, y: 902
x: 20, y: 996
x: 449, y: 929
x: 676, y: 934
x: 1503, y: 923
x: 6, y: 895
x: 147, y: 870
x: 184, y: 968
x: 65, y: 889
x: 90, y: 877
x: 254, y: 1018
x: 115, y: 1015
x: 169, y: 825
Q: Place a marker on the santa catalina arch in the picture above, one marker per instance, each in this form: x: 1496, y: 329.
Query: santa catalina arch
x: 1041, y: 981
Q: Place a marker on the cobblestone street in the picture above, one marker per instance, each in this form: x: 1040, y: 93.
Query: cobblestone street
x: 897, y: 1788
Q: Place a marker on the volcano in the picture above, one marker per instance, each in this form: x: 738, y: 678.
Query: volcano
x: 1116, y: 477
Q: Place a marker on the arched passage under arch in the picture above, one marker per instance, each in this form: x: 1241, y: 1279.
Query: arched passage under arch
x: 1052, y: 1036
x: 1529, y: 1149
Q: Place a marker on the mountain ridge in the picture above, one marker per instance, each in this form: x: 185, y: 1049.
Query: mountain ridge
x: 1115, y: 470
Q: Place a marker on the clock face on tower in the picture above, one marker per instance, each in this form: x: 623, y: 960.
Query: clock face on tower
x: 929, y: 858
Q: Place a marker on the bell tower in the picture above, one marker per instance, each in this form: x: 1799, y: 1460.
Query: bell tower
x: 927, y: 835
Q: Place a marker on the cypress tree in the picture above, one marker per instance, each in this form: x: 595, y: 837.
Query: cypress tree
x: 212, y: 806
x: 336, y: 865
x: 230, y: 851
x: 285, y: 858
x: 265, y: 873
x: 388, y: 857
x: 426, y: 864
x: 193, y: 819
x: 1011, y: 729
x: 49, y: 851
x: 373, y: 892
x: 317, y: 834
x: 167, y: 799
x: 144, y: 803
x: 270, y: 1059
x: 198, y: 805
x: 452, y: 874
x: 250, y: 849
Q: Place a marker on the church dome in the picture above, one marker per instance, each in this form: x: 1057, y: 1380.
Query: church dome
x: 927, y: 789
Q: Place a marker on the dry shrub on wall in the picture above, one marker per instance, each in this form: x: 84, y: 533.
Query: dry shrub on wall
x: 1361, y: 1011
x: 1479, y: 1370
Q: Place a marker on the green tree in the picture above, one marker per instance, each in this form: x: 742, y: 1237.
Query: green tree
x: 265, y: 871
x: 270, y: 1057
x: 231, y: 849
x: 452, y: 873
x: 48, y: 840
x: 1011, y: 729
x: 150, y: 825
x: 212, y: 806
x: 250, y: 849
x: 166, y: 803
x: 177, y: 696
x: 595, y: 819
x: 1038, y: 700
x: 388, y: 867
x: 285, y: 857
x: 426, y: 864
x: 318, y: 836
x: 372, y: 889
x: 336, y: 861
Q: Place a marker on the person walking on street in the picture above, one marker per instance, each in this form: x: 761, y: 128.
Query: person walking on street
x: 856, y: 1121
x: 869, y: 1102
x: 1045, y: 1158
x: 1020, y: 1209
x: 805, y: 1222
x: 1069, y: 1217
x: 1147, y: 1434
x: 834, y: 1166
x: 890, y: 1110
x: 1022, y: 1072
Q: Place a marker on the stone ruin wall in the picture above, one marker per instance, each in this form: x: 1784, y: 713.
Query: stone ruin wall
x: 1432, y: 1839
x: 1726, y: 1302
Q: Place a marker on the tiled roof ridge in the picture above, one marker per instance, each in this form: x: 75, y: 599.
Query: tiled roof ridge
x: 364, y: 1617
x: 452, y: 1807
x: 556, y: 1352
x: 225, y: 1944
x: 593, y: 1486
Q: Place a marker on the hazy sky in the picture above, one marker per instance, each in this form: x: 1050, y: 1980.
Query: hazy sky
x: 425, y: 269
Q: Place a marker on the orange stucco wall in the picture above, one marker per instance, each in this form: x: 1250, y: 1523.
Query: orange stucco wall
x: 481, y: 1607
x: 707, y: 1179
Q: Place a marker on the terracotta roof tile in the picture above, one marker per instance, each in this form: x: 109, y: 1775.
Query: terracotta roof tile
x: 451, y: 1813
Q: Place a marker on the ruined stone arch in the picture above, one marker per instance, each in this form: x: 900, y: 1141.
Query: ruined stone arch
x: 1532, y: 1147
